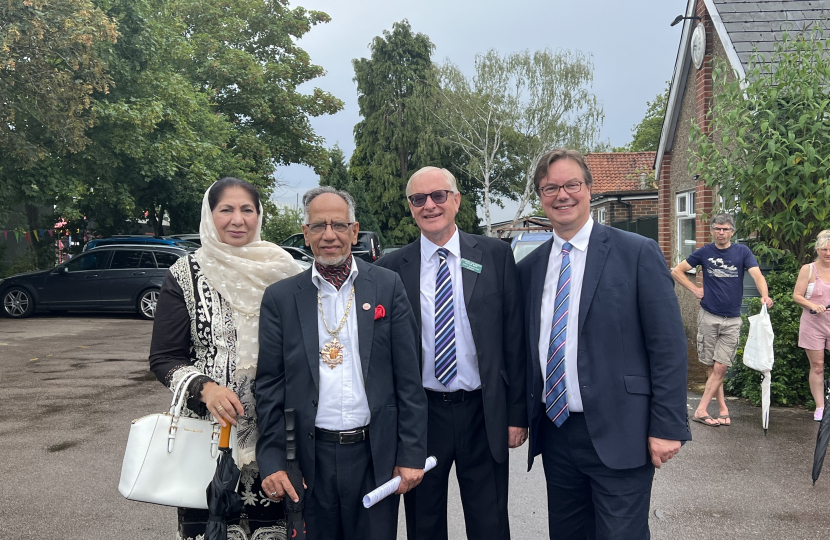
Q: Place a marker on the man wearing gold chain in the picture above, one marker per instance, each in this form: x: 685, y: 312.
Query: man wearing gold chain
x: 339, y: 344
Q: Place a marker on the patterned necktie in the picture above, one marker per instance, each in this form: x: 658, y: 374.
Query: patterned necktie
x: 445, y: 366
x: 556, y: 400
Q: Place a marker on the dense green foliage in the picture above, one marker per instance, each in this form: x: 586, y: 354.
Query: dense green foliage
x: 191, y: 90
x: 789, y: 384
x: 396, y: 137
x: 769, y: 150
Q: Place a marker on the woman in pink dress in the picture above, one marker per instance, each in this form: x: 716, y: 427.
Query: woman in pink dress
x: 812, y: 292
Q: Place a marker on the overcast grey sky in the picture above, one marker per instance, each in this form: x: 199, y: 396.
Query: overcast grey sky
x: 632, y: 45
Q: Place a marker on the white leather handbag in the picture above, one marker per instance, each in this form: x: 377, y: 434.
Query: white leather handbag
x: 171, y: 459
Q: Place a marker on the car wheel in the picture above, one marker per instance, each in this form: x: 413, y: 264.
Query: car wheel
x: 18, y: 303
x: 147, y: 304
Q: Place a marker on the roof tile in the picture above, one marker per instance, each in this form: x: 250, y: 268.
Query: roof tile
x: 619, y: 171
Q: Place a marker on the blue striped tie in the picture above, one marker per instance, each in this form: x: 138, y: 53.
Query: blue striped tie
x: 445, y: 366
x: 556, y: 399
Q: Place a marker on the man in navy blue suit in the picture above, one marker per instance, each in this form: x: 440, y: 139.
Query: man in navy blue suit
x: 607, y: 372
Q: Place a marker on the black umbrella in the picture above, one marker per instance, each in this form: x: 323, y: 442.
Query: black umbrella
x: 223, y: 500
x: 823, y: 436
x: 294, y: 521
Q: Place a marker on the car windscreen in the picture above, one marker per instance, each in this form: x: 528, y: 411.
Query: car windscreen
x: 523, y: 249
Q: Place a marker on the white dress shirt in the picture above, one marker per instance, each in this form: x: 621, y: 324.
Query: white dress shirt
x: 342, y: 404
x: 578, y: 254
x: 467, y: 375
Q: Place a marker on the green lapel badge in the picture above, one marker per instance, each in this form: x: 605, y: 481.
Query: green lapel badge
x: 470, y: 265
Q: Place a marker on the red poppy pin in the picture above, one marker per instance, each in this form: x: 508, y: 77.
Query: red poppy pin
x: 380, y: 312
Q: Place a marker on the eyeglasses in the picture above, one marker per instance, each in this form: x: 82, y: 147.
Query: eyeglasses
x: 723, y: 230
x: 336, y: 226
x: 551, y: 190
x: 438, y: 197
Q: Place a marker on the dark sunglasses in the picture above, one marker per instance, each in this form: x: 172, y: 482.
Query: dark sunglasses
x: 439, y: 196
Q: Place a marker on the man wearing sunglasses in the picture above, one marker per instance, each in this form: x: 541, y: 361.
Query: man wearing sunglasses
x: 607, y: 369
x: 464, y: 292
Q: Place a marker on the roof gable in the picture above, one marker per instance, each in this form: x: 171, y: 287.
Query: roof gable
x: 741, y: 26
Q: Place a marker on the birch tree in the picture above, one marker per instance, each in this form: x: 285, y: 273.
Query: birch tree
x: 558, y: 109
x: 478, y: 115
x: 511, y: 111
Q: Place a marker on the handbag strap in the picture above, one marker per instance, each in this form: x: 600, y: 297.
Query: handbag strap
x: 180, y: 393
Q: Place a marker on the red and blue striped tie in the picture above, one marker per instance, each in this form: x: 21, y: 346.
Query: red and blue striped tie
x: 445, y: 365
x: 556, y: 398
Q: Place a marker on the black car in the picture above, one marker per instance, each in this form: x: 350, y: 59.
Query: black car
x: 367, y: 248
x: 111, y: 278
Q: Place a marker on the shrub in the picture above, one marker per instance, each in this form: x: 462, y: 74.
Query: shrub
x: 789, y: 384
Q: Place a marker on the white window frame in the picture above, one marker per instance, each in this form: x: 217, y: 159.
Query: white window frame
x: 601, y: 213
x: 685, y: 210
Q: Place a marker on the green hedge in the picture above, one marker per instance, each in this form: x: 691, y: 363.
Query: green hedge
x: 789, y: 375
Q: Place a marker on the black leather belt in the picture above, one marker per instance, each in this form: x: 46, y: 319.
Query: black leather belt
x: 458, y: 395
x: 348, y: 436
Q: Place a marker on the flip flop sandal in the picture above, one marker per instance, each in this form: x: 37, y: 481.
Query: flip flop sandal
x: 724, y: 417
x: 703, y: 420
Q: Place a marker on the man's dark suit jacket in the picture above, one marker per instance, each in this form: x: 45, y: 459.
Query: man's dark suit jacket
x: 288, y: 372
x: 631, y: 355
x: 494, y: 311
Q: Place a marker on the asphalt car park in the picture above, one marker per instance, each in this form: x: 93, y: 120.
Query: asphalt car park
x: 71, y: 385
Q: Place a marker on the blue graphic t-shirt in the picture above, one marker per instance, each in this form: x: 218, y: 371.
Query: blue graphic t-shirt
x: 723, y: 277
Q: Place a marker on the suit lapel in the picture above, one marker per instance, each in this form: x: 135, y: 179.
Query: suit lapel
x: 410, y: 272
x: 468, y: 277
x: 538, y: 272
x: 597, y: 254
x: 364, y: 293
x: 306, y: 299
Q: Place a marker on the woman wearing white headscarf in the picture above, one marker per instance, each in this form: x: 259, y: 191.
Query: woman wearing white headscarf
x: 207, y: 321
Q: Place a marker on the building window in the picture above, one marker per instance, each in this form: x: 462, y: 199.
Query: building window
x: 601, y: 215
x: 685, y: 224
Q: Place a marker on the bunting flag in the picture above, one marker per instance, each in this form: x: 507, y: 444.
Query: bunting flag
x: 42, y: 233
x: 28, y: 239
x: 17, y: 236
x: 51, y: 233
x: 6, y: 234
x: 35, y: 233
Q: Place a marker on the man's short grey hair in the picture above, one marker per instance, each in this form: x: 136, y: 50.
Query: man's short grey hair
x: 723, y: 219
x: 312, y: 194
x: 453, y: 185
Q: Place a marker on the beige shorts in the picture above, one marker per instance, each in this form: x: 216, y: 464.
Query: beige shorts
x: 717, y: 338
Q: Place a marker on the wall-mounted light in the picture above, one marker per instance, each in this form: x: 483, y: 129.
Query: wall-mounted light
x: 681, y: 17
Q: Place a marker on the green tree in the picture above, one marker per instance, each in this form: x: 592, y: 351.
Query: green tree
x: 557, y: 109
x: 646, y: 134
x: 395, y: 137
x: 49, y: 67
x: 280, y: 222
x: 769, y: 146
x: 337, y: 175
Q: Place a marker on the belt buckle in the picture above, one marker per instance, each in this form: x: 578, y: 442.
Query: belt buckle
x: 350, y: 432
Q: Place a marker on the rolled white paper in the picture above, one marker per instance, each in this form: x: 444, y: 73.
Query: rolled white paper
x: 387, y: 489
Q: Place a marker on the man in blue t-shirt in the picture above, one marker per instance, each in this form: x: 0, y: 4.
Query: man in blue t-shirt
x: 719, y: 320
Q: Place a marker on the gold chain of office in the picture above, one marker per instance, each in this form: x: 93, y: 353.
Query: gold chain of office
x: 332, y: 352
